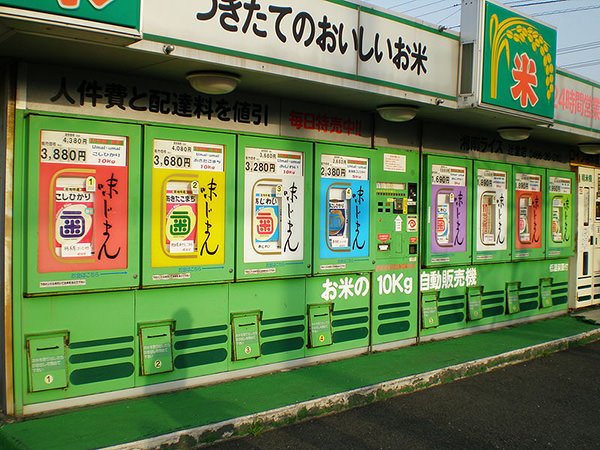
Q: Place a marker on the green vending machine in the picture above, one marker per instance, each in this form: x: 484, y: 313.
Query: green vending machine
x: 529, y: 212
x: 560, y: 234
x: 343, y: 209
x: 492, y: 234
x: 396, y: 233
x: 448, y: 218
x: 82, y: 205
x: 189, y: 199
x: 338, y: 303
x: 274, y: 210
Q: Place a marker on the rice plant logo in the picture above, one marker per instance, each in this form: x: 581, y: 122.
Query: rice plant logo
x: 74, y: 4
x: 519, y: 31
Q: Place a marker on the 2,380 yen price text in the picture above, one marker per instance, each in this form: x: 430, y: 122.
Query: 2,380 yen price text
x: 64, y: 154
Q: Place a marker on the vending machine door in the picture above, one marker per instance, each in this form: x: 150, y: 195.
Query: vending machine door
x: 586, y: 204
x: 188, y: 206
x: 273, y: 209
x: 82, y: 205
x: 529, y: 185
x: 447, y: 220
x: 492, y: 233
x: 560, y: 236
x: 342, y: 221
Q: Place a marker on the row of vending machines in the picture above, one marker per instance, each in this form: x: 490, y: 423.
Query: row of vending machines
x: 154, y: 254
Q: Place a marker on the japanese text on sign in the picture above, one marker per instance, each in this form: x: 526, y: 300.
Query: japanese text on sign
x: 188, y: 156
x: 324, y: 123
x: 435, y: 280
x: 528, y: 182
x: 558, y: 185
x: 350, y: 168
x: 345, y: 288
x: 448, y: 175
x: 116, y: 96
x: 75, y: 148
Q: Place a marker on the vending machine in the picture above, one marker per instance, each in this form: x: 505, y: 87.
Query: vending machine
x: 342, y: 222
x: 188, y: 206
x: 560, y: 234
x: 338, y: 297
x: 274, y: 211
x: 448, y: 219
x: 492, y: 233
x: 82, y: 205
x: 396, y: 232
x: 588, y: 237
x: 529, y: 213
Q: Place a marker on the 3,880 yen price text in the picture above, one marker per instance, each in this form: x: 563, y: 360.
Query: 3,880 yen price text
x: 64, y: 154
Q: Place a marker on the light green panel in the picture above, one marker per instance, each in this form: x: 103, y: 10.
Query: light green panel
x: 201, y: 335
x: 560, y: 214
x: 350, y: 296
x: 283, y: 318
x: 529, y: 213
x: 101, y: 335
x: 396, y: 232
x: 287, y: 251
x: 490, y: 283
x: 492, y: 212
x: 101, y: 276
x: 447, y: 216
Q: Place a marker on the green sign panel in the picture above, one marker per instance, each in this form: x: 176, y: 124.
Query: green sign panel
x: 519, y: 59
x: 116, y: 12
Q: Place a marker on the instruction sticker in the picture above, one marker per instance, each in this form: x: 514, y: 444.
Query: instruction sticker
x: 188, y: 156
x: 394, y: 163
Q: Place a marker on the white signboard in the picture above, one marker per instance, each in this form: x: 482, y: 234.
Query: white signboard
x: 528, y: 182
x: 344, y: 167
x: 273, y: 205
x: 318, y: 35
x: 492, y: 211
x: 79, y: 148
x: 576, y: 102
x: 558, y: 185
x: 448, y: 175
x: 188, y: 156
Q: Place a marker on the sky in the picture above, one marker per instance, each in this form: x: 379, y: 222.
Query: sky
x: 577, y: 23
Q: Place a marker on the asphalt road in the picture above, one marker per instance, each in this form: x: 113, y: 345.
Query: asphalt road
x: 551, y: 402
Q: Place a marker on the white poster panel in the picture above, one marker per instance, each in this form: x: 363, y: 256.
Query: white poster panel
x: 492, y: 211
x: 273, y: 205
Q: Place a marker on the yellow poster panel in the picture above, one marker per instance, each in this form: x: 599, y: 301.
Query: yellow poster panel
x: 188, y: 205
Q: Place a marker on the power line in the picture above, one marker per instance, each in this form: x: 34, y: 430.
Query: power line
x: 580, y: 65
x: 578, y: 48
x: 438, y: 10
x: 562, y: 11
x: 424, y: 6
x: 545, y: 2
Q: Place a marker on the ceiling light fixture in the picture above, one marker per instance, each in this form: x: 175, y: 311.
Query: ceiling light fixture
x: 213, y: 83
x: 397, y: 113
x: 514, y: 133
x: 589, y: 148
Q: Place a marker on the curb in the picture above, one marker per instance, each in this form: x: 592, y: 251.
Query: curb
x: 256, y: 423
